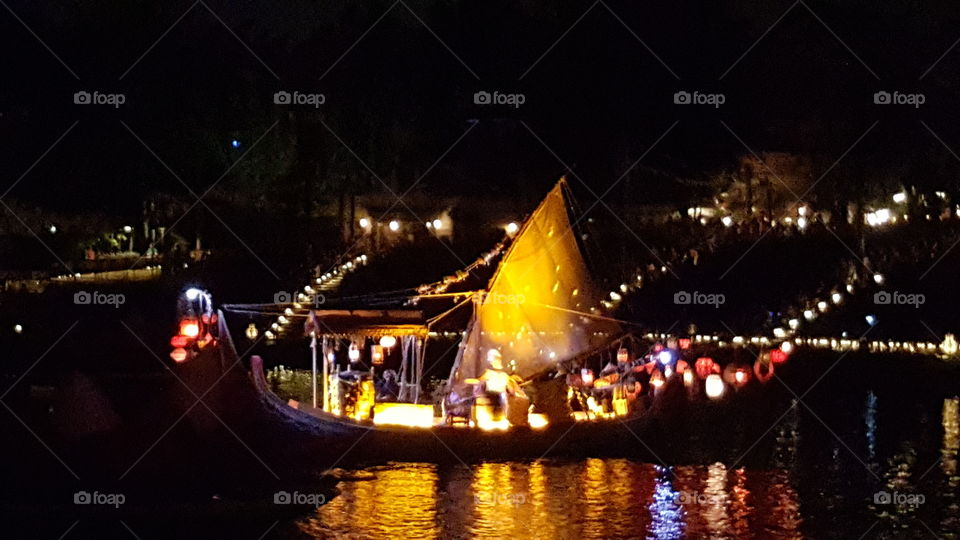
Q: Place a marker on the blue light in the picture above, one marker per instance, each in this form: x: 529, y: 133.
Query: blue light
x: 235, y: 143
x: 665, y: 357
x: 871, y: 320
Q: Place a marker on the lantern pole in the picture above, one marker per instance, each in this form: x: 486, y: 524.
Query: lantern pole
x: 313, y: 354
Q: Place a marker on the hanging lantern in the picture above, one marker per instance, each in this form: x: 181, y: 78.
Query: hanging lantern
x: 714, y: 386
x: 252, y: 332
x: 763, y: 370
x: 376, y: 354
x: 354, y: 353
x: 586, y: 375
x: 179, y: 355
x: 705, y: 366
x: 388, y: 342
x: 684, y: 343
x: 778, y: 356
x: 189, y: 328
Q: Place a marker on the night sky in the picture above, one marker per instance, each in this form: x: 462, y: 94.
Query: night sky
x: 399, y: 80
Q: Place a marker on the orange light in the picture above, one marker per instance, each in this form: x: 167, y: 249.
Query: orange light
x: 179, y: 355
x: 179, y: 341
x: 684, y: 343
x: 206, y: 340
x: 189, y: 328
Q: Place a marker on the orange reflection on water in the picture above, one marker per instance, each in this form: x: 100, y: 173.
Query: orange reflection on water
x: 594, y: 498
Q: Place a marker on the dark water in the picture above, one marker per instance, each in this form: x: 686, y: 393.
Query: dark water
x: 821, y: 484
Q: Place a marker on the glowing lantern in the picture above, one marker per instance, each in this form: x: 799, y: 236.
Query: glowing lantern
x: 688, y: 378
x: 778, y: 356
x: 949, y: 345
x: 512, y: 228
x: 740, y: 376
x: 252, y: 332
x: 179, y: 341
x: 189, y: 328
x: 394, y: 225
x: 388, y: 342
x: 376, y: 353
x: 665, y: 357
x: 354, y: 353
x: 786, y: 347
x: 179, y: 355
x: 714, y: 386
x: 586, y: 375
x: 705, y: 366
x: 758, y: 370
x: 684, y: 343
x: 656, y: 380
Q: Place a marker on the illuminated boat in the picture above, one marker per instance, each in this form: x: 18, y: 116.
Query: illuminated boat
x: 539, y: 310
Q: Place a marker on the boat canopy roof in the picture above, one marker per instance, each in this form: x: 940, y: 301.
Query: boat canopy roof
x: 368, y: 322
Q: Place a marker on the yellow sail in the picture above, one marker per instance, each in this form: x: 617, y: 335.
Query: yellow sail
x: 537, y: 309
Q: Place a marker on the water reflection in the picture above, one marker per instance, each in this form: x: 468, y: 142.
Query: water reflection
x: 595, y: 498
x: 616, y: 498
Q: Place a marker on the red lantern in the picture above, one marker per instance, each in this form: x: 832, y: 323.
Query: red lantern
x: 682, y: 366
x: 179, y: 355
x: 705, y: 366
x: 763, y: 370
x: 684, y: 343
x: 179, y: 341
x: 189, y: 328
x: 777, y: 356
